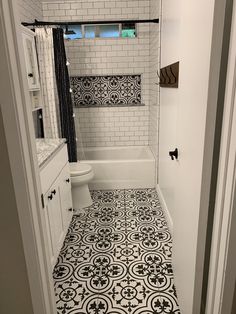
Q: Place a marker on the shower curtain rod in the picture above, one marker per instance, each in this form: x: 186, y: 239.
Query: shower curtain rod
x: 45, y: 23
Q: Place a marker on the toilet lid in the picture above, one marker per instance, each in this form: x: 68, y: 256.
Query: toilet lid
x: 79, y: 169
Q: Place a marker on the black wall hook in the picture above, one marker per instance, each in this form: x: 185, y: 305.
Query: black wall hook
x: 169, y: 75
x: 174, y: 154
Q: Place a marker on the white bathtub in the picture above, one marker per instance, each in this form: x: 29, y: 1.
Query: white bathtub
x: 130, y: 167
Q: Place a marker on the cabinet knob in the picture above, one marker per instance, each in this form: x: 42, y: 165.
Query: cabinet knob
x: 70, y: 209
x: 30, y: 75
x: 68, y: 180
x: 54, y: 192
x: 50, y: 197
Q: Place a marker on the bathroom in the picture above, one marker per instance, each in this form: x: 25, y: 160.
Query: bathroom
x: 115, y: 152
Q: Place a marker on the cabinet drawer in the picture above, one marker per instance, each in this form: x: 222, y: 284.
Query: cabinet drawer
x: 52, y: 169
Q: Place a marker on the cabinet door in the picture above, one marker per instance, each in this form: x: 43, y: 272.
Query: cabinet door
x: 54, y: 222
x: 66, y: 199
x: 47, y: 206
x: 31, y: 61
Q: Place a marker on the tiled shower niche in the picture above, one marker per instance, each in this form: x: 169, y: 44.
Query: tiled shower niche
x: 106, y: 91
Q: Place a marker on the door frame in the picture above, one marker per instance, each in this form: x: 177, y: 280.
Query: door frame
x: 213, y: 134
x: 222, y: 270
x: 18, y: 125
x: 19, y: 131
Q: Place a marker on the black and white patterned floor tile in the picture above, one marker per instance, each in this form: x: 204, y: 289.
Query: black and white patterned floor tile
x: 116, y: 258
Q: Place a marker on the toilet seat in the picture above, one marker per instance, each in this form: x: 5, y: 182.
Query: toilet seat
x: 79, y: 169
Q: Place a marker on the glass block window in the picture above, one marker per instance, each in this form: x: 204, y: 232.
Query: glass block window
x: 76, y: 29
x: 124, y: 30
x: 109, y: 31
x: 128, y: 30
x: 90, y: 31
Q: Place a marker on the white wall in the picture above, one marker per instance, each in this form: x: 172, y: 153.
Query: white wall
x: 169, y: 99
x: 186, y: 37
x: 109, y: 126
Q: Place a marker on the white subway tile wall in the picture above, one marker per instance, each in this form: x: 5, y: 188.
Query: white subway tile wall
x: 109, y: 126
x: 30, y: 10
x: 154, y: 89
x: 113, y: 127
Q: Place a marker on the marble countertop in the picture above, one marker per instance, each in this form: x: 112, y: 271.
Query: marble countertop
x: 46, y: 147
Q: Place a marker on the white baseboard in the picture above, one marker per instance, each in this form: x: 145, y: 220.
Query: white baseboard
x: 165, y: 209
x: 120, y: 184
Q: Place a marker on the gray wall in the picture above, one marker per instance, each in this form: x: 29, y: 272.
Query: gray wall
x: 234, y: 301
x: 30, y: 10
x: 14, y: 286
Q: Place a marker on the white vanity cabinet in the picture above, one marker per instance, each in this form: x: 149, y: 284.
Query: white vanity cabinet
x: 56, y: 187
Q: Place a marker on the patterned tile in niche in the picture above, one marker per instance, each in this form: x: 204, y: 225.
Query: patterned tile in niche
x: 105, y: 91
x: 116, y: 258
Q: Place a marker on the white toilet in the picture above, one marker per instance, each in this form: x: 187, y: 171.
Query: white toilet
x: 81, y: 174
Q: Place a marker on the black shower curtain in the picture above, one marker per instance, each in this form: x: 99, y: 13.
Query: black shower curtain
x: 64, y: 95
